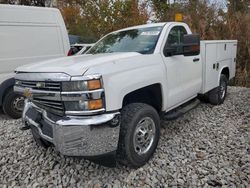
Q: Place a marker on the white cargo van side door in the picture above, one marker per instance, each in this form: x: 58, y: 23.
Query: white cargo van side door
x: 184, y: 73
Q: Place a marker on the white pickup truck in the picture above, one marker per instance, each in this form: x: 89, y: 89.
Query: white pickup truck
x: 109, y: 101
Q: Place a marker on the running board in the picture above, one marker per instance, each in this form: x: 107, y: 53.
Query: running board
x: 179, y: 111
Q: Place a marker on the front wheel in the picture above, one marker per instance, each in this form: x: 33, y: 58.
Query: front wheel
x: 139, y: 136
x: 218, y: 95
x: 13, y: 104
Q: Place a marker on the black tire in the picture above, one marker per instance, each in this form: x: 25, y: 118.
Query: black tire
x: 203, y: 98
x: 39, y: 141
x: 1, y: 110
x: 132, y: 115
x: 218, y: 95
x: 13, y: 104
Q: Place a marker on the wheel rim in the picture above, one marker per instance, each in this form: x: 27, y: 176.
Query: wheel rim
x: 144, y: 135
x: 222, y: 91
x: 18, y: 104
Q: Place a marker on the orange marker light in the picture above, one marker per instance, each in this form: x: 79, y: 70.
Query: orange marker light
x: 95, y: 104
x: 178, y: 17
x: 94, y: 84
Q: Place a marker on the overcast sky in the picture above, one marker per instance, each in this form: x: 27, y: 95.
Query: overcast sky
x: 221, y: 3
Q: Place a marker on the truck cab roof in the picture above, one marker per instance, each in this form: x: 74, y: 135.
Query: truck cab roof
x: 160, y: 24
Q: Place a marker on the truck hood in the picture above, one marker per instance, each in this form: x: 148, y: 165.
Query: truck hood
x: 74, y: 65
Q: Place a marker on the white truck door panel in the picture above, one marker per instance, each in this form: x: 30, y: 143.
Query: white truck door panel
x: 184, y: 78
x: 184, y: 75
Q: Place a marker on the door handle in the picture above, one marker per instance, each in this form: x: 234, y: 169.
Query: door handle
x: 196, y: 59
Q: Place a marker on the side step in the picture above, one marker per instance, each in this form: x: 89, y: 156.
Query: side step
x: 179, y: 111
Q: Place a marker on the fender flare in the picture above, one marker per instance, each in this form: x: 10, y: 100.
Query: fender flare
x: 124, y: 95
x: 221, y: 72
x: 4, y: 87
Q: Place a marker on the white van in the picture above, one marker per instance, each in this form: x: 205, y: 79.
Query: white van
x: 27, y: 35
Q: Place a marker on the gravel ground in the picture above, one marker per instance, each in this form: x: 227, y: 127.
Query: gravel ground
x: 207, y: 147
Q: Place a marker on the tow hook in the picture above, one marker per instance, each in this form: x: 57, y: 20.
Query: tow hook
x: 25, y: 127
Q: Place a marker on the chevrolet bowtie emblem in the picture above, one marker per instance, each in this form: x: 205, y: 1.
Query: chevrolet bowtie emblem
x: 40, y: 85
x: 27, y: 93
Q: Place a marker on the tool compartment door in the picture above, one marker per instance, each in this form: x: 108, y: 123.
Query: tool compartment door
x: 216, y: 55
x: 210, y: 74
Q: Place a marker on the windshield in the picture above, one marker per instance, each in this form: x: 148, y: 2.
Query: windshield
x: 141, y: 40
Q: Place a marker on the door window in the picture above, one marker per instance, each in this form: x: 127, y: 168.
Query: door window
x: 175, y: 39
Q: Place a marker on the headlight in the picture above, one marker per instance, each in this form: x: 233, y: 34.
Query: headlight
x: 83, y: 95
x: 74, y: 86
x: 82, y: 85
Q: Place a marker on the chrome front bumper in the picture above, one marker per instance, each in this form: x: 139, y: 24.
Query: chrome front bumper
x: 76, y: 136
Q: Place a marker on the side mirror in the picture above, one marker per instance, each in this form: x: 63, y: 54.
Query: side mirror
x: 170, y: 50
x: 191, y: 45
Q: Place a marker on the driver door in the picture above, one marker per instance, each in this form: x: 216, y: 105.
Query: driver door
x: 184, y: 73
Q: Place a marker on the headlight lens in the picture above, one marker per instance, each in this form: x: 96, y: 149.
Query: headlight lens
x: 76, y: 105
x: 82, y: 85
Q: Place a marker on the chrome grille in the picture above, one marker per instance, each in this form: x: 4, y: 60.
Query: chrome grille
x: 45, y: 90
x: 46, y: 86
x: 56, y: 107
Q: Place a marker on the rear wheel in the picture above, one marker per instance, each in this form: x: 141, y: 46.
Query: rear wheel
x: 13, y: 104
x: 218, y: 95
x: 139, y: 136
